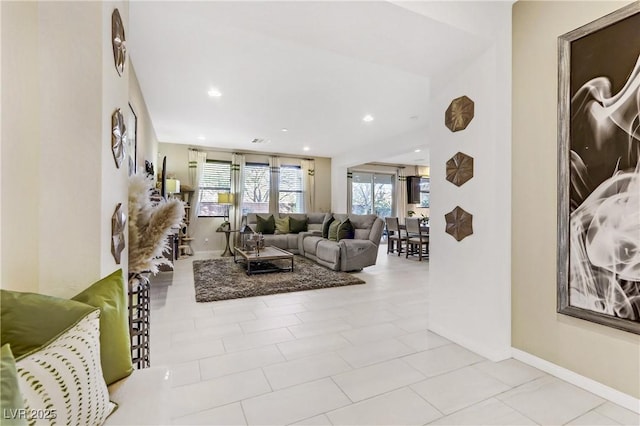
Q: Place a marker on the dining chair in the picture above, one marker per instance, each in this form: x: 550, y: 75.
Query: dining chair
x: 417, y: 240
x: 394, y: 235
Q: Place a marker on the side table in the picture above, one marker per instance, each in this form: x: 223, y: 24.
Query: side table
x: 227, y: 249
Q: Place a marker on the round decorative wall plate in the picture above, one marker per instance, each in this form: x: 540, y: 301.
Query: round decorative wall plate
x: 459, y: 114
x: 118, y: 41
x: 118, y: 137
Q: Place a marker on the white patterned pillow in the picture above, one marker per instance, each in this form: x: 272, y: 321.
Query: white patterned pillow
x: 62, y: 382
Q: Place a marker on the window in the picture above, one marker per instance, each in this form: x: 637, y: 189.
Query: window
x: 425, y: 189
x: 372, y: 193
x: 216, y: 178
x: 255, y: 196
x: 291, y: 195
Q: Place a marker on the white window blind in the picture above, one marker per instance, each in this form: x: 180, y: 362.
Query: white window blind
x: 255, y: 194
x: 290, y: 191
x: 216, y: 179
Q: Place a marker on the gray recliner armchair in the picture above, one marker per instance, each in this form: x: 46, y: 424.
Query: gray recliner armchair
x: 346, y: 254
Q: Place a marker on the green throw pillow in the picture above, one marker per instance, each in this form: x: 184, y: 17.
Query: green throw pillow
x: 298, y: 225
x: 333, y: 230
x: 10, y: 397
x: 325, y: 227
x: 29, y: 320
x: 110, y: 296
x: 346, y: 231
x: 266, y: 226
x: 282, y: 225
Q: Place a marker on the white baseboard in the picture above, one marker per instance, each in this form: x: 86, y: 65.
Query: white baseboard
x: 490, y: 353
x: 207, y: 252
x: 597, y: 388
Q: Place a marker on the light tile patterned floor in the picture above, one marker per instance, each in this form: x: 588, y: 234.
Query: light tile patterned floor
x: 355, y: 355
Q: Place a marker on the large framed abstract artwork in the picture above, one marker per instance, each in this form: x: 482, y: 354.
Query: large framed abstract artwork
x: 599, y: 171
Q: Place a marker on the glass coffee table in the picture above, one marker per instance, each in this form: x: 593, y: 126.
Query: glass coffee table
x: 268, y: 259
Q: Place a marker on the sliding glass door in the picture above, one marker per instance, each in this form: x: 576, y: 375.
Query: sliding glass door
x: 372, y: 193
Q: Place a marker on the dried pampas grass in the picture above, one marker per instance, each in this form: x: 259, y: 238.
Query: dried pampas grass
x: 149, y: 226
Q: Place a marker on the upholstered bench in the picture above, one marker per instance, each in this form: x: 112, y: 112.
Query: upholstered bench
x: 59, y: 356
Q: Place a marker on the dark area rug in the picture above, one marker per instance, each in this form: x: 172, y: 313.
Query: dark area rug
x: 221, y: 279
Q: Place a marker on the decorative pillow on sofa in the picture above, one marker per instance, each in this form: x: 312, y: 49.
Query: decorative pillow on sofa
x: 325, y: 227
x: 11, y: 398
x: 282, y: 225
x: 333, y: 230
x: 110, y: 296
x: 266, y: 226
x: 63, y: 379
x: 346, y: 231
x: 298, y: 225
x: 30, y: 320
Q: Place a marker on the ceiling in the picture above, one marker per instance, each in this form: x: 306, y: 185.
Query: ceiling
x: 313, y: 68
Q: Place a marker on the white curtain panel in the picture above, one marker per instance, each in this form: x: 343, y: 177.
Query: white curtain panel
x: 309, y: 184
x: 237, y: 182
x: 197, y: 159
x: 274, y: 190
x: 402, y: 197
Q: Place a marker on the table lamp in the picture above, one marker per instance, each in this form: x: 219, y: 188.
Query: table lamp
x: 173, y: 186
x: 225, y: 198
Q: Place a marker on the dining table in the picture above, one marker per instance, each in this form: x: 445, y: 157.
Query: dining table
x: 423, y: 228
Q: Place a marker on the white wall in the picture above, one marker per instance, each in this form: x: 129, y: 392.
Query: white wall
x: 147, y: 142
x: 0, y: 154
x: 61, y: 180
x: 469, y: 281
x: 378, y: 151
x: 20, y: 104
x: 115, y: 94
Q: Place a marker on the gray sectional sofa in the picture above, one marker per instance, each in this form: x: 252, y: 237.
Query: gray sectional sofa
x: 347, y: 254
x: 289, y: 242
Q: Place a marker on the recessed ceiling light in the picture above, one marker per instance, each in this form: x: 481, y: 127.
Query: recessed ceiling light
x: 367, y: 118
x: 306, y: 148
x: 201, y: 138
x: 214, y: 93
x: 284, y: 129
x: 417, y: 150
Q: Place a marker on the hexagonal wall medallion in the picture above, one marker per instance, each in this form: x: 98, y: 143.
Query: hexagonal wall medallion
x: 118, y: 221
x: 118, y: 42
x: 459, y: 114
x: 118, y: 136
x: 459, y: 223
x: 459, y: 168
